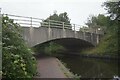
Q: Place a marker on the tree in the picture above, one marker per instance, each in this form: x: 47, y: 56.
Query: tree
x: 84, y: 28
x: 53, y: 17
x: 58, y: 19
x: 99, y: 21
x: 113, y: 9
x: 92, y: 20
x: 17, y: 58
x: 64, y: 17
x: 109, y: 43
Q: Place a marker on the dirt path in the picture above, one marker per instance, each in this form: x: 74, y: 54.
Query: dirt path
x: 49, y: 67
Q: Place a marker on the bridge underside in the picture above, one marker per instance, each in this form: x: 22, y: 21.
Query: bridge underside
x: 71, y: 44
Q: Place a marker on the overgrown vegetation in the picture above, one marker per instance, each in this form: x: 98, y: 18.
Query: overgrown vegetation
x: 109, y: 43
x: 106, y: 47
x: 17, y: 59
x: 0, y: 45
x: 51, y: 49
x: 57, y: 20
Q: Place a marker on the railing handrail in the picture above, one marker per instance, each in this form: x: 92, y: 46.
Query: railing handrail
x: 22, y: 16
x: 32, y: 20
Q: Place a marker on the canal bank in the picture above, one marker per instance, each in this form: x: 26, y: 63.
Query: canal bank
x: 91, y: 67
x: 96, y: 56
x: 84, y: 66
x: 51, y: 67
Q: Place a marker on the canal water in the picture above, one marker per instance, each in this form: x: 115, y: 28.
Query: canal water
x: 91, y: 67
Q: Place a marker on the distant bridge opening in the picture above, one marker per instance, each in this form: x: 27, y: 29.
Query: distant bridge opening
x: 71, y: 44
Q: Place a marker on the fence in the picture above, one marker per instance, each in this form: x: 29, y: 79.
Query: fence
x: 37, y: 22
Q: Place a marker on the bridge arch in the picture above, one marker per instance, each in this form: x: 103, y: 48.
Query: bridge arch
x: 70, y: 44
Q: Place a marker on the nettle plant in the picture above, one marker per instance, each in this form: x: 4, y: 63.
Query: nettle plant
x: 17, y: 58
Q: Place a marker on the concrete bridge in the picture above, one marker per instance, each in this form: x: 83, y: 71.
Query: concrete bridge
x: 35, y: 36
x: 53, y: 30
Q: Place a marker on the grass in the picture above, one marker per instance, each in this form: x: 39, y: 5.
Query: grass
x: 67, y: 71
x: 107, y: 46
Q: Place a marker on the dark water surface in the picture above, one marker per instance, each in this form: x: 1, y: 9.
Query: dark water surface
x: 91, y: 67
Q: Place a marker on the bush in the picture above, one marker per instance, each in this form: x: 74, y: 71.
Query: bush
x: 17, y: 59
x: 53, y: 49
x: 107, y: 46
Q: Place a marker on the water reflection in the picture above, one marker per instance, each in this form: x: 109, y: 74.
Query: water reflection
x: 91, y: 68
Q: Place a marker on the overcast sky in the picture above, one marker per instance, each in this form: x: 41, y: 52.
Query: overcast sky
x: 78, y: 10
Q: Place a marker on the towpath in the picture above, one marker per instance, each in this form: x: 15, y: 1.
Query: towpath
x: 50, y: 67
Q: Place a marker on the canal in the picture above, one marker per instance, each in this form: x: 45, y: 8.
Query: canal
x: 91, y: 67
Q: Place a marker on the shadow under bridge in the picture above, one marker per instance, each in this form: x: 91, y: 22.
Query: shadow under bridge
x: 72, y: 45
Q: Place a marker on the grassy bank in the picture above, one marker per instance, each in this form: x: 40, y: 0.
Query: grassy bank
x: 67, y: 72
x: 107, y: 46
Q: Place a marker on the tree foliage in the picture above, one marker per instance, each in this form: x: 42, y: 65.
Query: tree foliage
x: 113, y: 9
x: 109, y: 43
x: 17, y: 59
x: 58, y: 19
x: 99, y: 21
x: 64, y: 17
x: 49, y: 49
x: 54, y: 49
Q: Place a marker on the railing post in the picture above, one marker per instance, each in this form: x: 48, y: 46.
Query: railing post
x: 74, y: 30
x: 63, y: 25
x: 84, y: 33
x: 91, y: 37
x: 31, y: 31
x: 31, y: 21
x: 63, y: 29
x: 97, y: 36
x: 49, y: 30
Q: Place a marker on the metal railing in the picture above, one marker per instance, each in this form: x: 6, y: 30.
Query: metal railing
x: 37, y: 22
